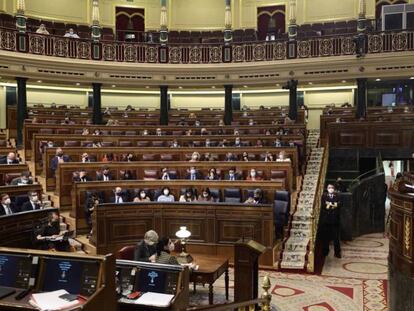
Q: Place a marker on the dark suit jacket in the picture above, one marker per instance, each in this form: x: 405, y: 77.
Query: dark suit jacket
x: 3, y: 160
x: 330, y: 216
x: 13, y: 208
x: 18, y: 180
x: 87, y: 178
x: 236, y: 177
x: 55, y: 162
x: 27, y: 206
x: 124, y: 197
x: 143, y: 251
x: 99, y: 177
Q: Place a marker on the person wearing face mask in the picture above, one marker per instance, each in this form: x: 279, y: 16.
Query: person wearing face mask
x: 245, y: 157
x: 145, y: 133
x: 230, y: 157
x: 164, y: 248
x: 205, y: 196
x: 175, y: 144
x: 158, y: 132
x: 212, y: 175
x: 91, y: 204
x: 330, y: 221
x: 203, y: 131
x: 278, y: 143
x: 24, y: 179
x: 166, y: 196
x: 33, y: 204
x: 193, y: 174
x: 126, y: 175
x: 197, y: 123
x: 268, y: 157
x: 58, y: 158
x: 237, y: 142
x: 208, y: 143
x: 71, y: 34
x: 9, y: 159
x: 119, y: 196
x: 7, y: 207
x: 232, y: 175
x: 105, y: 175
x: 255, y: 198
x: 142, y: 197
x: 253, y: 176
x: 188, y: 196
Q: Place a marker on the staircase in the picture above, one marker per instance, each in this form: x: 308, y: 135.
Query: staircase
x: 298, y: 246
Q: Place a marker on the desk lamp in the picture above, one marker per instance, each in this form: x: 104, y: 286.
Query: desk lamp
x: 183, y: 234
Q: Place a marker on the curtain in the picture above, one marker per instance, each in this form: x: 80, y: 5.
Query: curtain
x: 132, y: 20
x: 380, y: 3
x: 271, y: 20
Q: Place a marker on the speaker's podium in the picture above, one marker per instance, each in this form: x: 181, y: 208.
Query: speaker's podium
x: 246, y: 269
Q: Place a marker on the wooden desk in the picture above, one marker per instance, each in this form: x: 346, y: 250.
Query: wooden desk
x: 210, y: 269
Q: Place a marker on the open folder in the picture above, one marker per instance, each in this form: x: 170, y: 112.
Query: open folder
x: 51, y: 301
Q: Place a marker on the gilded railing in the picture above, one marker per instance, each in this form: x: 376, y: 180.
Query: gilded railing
x: 316, y: 210
x: 197, y: 53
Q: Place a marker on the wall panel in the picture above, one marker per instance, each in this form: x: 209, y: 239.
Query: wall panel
x: 135, y: 100
x: 60, y: 97
x: 197, y: 101
x: 77, y: 11
x: 255, y: 100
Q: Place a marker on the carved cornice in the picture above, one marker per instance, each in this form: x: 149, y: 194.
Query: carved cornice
x: 255, y: 73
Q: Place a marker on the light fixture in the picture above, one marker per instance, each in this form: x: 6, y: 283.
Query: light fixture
x: 412, y: 78
x: 277, y: 84
x: 245, y: 86
x: 310, y: 83
x: 183, y: 234
x: 113, y: 85
x: 378, y: 80
x: 343, y: 81
x: 77, y: 83
x: 147, y: 87
x: 213, y: 87
x: 180, y: 87
x: 39, y: 81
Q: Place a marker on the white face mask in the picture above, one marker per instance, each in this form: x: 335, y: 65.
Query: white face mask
x: 35, y: 198
x: 7, y: 202
x: 166, y: 192
x: 50, y: 145
x: 237, y: 142
x: 171, y: 247
x: 330, y: 190
x: 253, y: 174
x: 205, y: 195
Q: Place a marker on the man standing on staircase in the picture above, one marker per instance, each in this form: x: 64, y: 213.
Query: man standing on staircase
x: 330, y: 224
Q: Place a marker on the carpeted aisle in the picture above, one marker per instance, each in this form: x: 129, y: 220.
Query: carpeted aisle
x: 357, y: 282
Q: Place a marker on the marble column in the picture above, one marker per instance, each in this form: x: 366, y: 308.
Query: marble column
x: 292, y: 85
x: 362, y: 93
x: 228, y: 104
x: 163, y: 105
x: 21, y: 108
x: 97, y: 103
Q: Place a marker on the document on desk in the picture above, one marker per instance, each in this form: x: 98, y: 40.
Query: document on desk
x: 51, y: 301
x: 155, y: 299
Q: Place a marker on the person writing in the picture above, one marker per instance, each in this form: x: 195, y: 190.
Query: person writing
x: 146, y: 250
x: 50, y: 237
x: 164, y: 248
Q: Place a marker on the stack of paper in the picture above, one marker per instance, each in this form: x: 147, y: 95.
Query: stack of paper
x: 155, y: 299
x: 51, y: 301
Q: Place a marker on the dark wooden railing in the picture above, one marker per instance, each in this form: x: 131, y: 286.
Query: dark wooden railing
x: 199, y: 53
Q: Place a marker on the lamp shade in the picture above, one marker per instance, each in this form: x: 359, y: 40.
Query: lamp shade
x: 183, y: 233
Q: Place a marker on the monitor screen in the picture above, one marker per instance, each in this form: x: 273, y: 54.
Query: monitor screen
x: 157, y: 281
x: 74, y: 276
x: 15, y: 270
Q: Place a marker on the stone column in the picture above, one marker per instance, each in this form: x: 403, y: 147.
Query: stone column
x: 362, y: 20
x: 293, y: 27
x: 20, y: 16
x: 163, y: 23
x: 228, y: 34
x: 292, y: 86
x: 362, y: 93
x: 163, y: 105
x: 96, y: 103
x: 228, y: 104
x: 21, y: 108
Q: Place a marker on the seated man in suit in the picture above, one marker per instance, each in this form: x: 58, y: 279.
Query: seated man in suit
x: 120, y: 196
x: 33, y: 204
x: 194, y: 174
x: 105, y: 175
x: 255, y: 198
x: 82, y: 176
x: 232, y: 175
x: 10, y: 159
x: 146, y: 249
x: 6, y: 206
x: 24, y: 179
x: 58, y: 158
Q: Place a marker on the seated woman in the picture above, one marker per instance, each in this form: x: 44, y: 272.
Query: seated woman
x: 205, y: 196
x: 282, y: 157
x: 212, y: 175
x: 142, y: 197
x: 188, y: 196
x: 166, y: 195
x: 146, y: 250
x: 50, y: 237
x: 253, y: 176
x: 195, y: 157
x: 164, y: 248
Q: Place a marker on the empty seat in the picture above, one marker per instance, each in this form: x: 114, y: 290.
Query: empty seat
x: 277, y: 174
x: 117, y: 133
x: 20, y: 199
x: 216, y: 194
x: 143, y: 143
x: 62, y: 131
x: 280, y: 215
x: 150, y: 174
x: 282, y: 195
x: 125, y: 144
x: 107, y: 144
x: 86, y: 143
x: 232, y: 195
x: 51, y: 121
x: 130, y: 133
x: 167, y: 157
x: 158, y: 144
x: 77, y: 132
x: 71, y: 143
x: 9, y: 177
x: 148, y: 157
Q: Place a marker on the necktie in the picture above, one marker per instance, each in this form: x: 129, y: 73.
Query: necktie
x: 8, y: 210
x: 117, y: 200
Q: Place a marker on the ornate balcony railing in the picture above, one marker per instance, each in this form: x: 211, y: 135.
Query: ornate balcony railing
x: 112, y: 51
